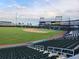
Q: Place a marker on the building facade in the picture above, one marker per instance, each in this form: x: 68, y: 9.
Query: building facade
x: 70, y: 24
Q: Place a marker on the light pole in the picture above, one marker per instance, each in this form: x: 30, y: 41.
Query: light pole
x: 16, y: 18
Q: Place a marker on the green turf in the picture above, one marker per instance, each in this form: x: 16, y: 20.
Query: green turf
x: 13, y: 35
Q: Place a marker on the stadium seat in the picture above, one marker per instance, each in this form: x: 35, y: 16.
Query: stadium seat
x: 65, y: 43
x: 21, y: 52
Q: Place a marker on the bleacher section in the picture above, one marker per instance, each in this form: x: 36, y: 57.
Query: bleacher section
x: 22, y: 52
x: 61, y: 45
x: 60, y: 42
x: 72, y: 34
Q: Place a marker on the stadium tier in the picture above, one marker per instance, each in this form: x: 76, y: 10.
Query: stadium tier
x: 70, y: 47
x: 60, y: 42
x: 22, y: 52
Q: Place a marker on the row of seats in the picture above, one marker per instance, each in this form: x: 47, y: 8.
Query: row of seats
x: 22, y: 52
x: 60, y: 42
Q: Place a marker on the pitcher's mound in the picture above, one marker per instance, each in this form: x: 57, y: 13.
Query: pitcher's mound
x: 36, y: 30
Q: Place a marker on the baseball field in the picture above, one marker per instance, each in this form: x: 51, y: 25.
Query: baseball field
x: 14, y: 35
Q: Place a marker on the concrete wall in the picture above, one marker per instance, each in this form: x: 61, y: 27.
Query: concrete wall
x: 74, y: 57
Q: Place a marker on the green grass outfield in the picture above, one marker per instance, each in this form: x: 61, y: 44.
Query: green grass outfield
x: 14, y: 35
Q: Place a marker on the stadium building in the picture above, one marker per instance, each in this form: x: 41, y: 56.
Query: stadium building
x: 6, y: 23
x: 73, y: 24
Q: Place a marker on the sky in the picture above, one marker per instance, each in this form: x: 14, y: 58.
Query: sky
x: 38, y: 8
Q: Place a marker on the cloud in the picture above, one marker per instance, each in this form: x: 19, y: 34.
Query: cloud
x: 40, y: 8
